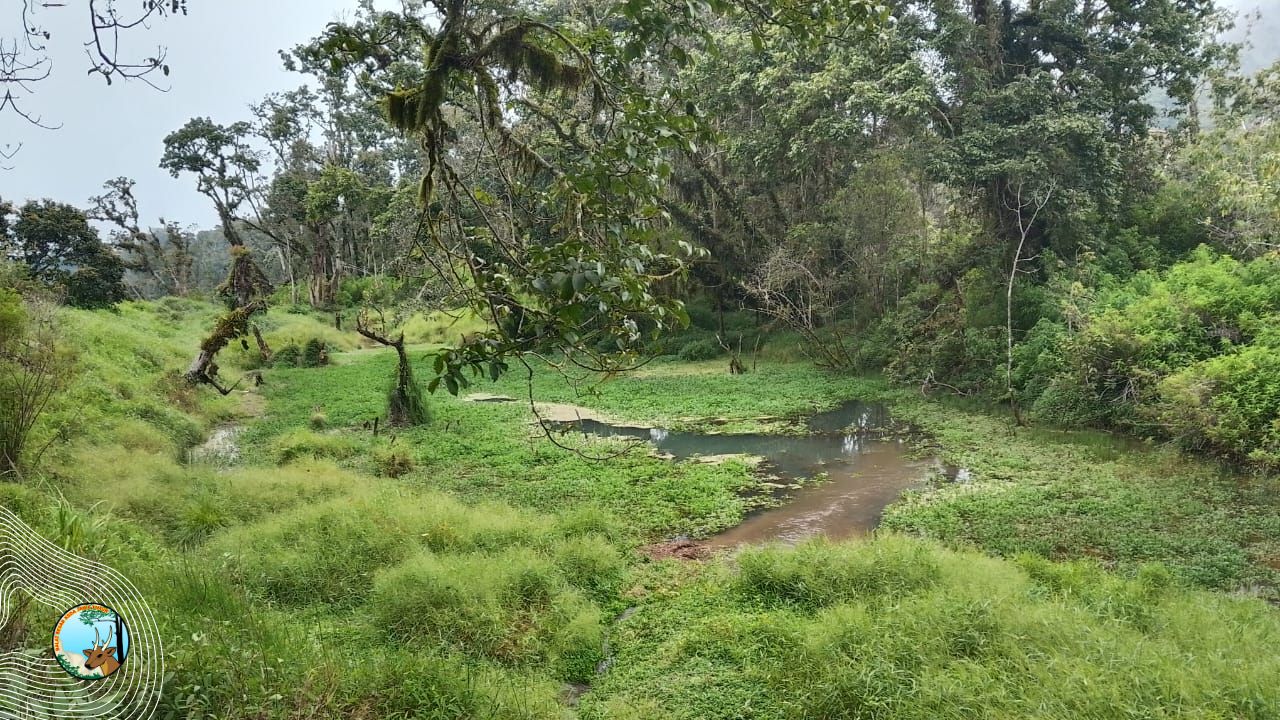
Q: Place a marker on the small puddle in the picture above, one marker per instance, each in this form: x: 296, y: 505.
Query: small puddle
x: 865, y: 472
x: 221, y: 448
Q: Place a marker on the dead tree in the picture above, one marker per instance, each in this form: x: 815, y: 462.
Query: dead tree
x: 1020, y: 207
x: 405, y: 406
x: 735, y: 355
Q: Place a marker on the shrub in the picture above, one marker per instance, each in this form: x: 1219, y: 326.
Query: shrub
x: 1188, y: 353
x: 393, y: 462
x: 1229, y: 405
x: 314, y: 354
x: 818, y: 573
x: 443, y: 327
x: 316, y: 554
x: 305, y: 443
x: 33, y: 369
x: 287, y: 356
x: 700, y: 349
x: 513, y: 607
x: 591, y: 564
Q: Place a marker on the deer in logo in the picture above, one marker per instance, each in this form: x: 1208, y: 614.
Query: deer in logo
x: 101, y: 656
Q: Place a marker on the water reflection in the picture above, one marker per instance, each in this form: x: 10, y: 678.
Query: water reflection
x: 865, y: 472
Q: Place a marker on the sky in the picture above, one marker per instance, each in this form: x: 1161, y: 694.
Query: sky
x: 223, y: 57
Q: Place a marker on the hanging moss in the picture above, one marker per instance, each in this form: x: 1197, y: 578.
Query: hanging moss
x: 245, y: 280
x: 229, y: 327
x: 406, y: 405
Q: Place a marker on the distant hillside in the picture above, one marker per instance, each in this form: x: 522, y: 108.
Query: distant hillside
x: 1257, y: 26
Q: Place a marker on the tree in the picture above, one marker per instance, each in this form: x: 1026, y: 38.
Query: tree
x: 225, y: 167
x: 1026, y: 207
x: 25, y: 60
x: 405, y: 404
x: 1058, y: 92
x: 1233, y: 167
x: 325, y: 195
x: 163, y: 256
x: 224, y: 163
x: 553, y: 240
x: 60, y: 249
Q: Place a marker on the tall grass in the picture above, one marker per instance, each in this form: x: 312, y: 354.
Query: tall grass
x: 969, y: 637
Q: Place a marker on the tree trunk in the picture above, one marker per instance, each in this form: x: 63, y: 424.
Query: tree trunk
x: 1008, y: 309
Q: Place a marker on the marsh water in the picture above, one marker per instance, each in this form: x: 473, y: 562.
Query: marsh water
x: 865, y: 471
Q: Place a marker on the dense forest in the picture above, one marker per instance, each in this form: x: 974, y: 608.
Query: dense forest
x: 348, y: 444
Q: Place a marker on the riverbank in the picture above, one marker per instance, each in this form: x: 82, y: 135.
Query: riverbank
x: 1058, y: 494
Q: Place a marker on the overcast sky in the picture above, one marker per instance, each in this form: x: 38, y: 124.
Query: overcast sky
x: 224, y: 57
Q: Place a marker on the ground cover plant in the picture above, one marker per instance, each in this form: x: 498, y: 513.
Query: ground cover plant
x: 489, y: 575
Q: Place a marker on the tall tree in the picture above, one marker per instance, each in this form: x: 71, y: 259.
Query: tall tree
x: 225, y: 167
x: 59, y: 248
x: 162, y: 256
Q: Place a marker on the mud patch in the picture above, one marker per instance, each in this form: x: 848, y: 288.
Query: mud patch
x: 567, y: 413
x: 682, y: 549
x: 488, y: 398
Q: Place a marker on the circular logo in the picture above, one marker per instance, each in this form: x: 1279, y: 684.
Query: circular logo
x: 91, y: 641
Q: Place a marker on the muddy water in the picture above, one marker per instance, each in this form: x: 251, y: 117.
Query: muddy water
x: 858, y: 488
x: 864, y: 472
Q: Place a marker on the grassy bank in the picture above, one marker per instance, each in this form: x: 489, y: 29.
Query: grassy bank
x: 470, y: 568
x: 1080, y: 494
x: 897, y: 628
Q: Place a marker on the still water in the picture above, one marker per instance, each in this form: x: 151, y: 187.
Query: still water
x: 865, y: 472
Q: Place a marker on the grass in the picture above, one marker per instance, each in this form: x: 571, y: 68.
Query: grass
x: 916, y: 631
x: 482, y: 451
x: 470, y: 568
x: 1073, y: 494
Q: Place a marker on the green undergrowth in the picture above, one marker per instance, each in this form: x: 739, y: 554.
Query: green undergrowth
x: 471, y: 568
x: 1084, y: 494
x: 898, y: 628
x: 700, y: 395
x: 483, y: 451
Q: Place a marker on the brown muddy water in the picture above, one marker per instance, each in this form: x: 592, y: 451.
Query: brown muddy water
x: 864, y: 471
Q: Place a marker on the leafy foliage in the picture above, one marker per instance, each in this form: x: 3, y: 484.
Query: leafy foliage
x: 57, y: 246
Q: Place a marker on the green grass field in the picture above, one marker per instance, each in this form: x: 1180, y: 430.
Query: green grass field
x: 471, y: 568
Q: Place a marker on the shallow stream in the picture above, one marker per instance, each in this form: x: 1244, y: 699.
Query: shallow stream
x: 864, y: 471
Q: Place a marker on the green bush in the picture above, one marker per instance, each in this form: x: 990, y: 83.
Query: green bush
x: 700, y: 349
x: 314, y: 354
x: 591, y: 564
x: 306, y: 443
x: 287, y: 357
x: 317, y: 554
x: 1190, y: 354
x: 393, y: 462
x: 819, y: 573
x: 963, y: 636
x: 513, y: 607
x: 1229, y: 405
